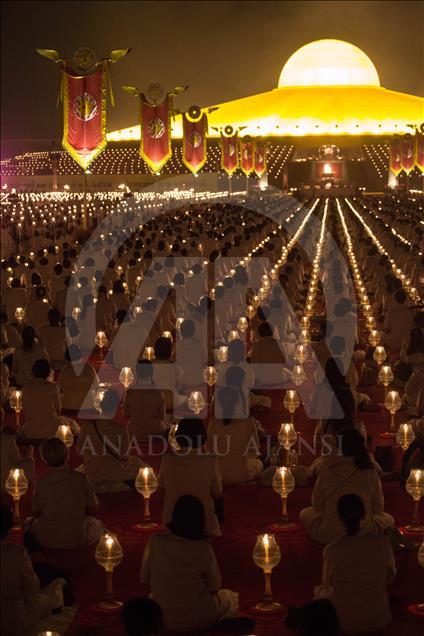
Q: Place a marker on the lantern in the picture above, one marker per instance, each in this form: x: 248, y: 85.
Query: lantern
x: 415, y: 488
x: 379, y: 355
x: 374, y: 337
x: 392, y: 404
x: 298, y: 375
x: 196, y: 402
x: 146, y: 484
x: 20, y: 314
x: 233, y: 335
x: 301, y: 353
x: 76, y: 312
x: 304, y: 337
x: 242, y: 324
x: 291, y: 402
x: 250, y: 311
x: 16, y: 485
x: 283, y: 483
x: 65, y: 434
x: 15, y: 402
x: 267, y: 555
x: 305, y: 322
x: 385, y: 376
x: 287, y: 437
x: 222, y: 354
x: 101, y: 342
x: 126, y: 377
x: 149, y: 353
x: 109, y: 555
x: 405, y: 435
x: 210, y: 376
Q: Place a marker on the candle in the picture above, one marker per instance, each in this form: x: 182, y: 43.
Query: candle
x: 64, y: 433
x: 222, y: 353
x: 149, y: 353
x: 126, y: 377
x: 379, y: 354
x: 196, y: 402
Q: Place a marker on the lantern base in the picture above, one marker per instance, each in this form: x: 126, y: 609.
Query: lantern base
x: 110, y: 606
x: 388, y: 434
x: 285, y: 526
x: 411, y: 529
x: 147, y: 525
x: 269, y: 607
x: 417, y: 609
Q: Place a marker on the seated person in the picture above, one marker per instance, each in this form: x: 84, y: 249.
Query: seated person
x: 356, y: 570
x: 184, y: 555
x: 144, y: 404
x: 142, y: 617
x: 23, y: 602
x: 41, y: 403
x: 78, y: 381
x: 269, y: 358
x: 53, y: 339
x: 191, y: 472
x: 63, y: 504
x: 352, y: 472
x: 317, y: 618
x: 234, y: 440
x: 25, y: 356
x: 36, y: 314
x: 399, y: 321
x: 12, y: 457
x: 104, y: 444
x: 191, y: 355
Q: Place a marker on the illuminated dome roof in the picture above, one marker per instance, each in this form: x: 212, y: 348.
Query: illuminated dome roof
x: 329, y: 63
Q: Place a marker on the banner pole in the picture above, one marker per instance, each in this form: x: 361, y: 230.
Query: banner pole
x: 84, y: 203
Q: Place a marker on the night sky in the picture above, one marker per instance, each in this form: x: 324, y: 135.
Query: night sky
x: 222, y: 50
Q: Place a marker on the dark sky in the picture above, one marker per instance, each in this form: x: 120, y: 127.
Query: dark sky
x: 222, y: 50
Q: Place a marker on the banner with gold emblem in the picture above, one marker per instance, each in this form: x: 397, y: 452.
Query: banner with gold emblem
x: 155, y: 130
x: 419, y: 148
x: 408, y: 153
x: 259, y: 158
x: 395, y: 151
x: 229, y: 154
x: 195, y: 127
x: 246, y: 155
x: 83, y: 88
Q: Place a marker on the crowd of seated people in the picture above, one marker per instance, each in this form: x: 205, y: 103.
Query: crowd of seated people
x: 168, y: 296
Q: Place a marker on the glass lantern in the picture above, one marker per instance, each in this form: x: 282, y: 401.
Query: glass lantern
x: 267, y: 555
x: 146, y: 484
x: 64, y: 433
x: 20, y: 314
x: 392, y: 404
x: 222, y: 353
x: 16, y: 485
x: 242, y: 324
x: 374, y: 337
x: 109, y: 555
x: 287, y: 437
x: 379, y: 355
x: 298, y: 375
x: 283, y: 483
x: 101, y: 342
x: 15, y: 402
x: 405, y: 435
x: 291, y: 402
x: 385, y: 376
x: 210, y: 376
x: 126, y: 377
x: 415, y: 488
x: 196, y: 402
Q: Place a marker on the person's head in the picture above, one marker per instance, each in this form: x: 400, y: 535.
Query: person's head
x: 353, y: 445
x: 15, y: 283
x: 73, y: 353
x: 142, y: 617
x: 163, y: 348
x: 236, y: 351
x: 28, y: 337
x: 416, y: 341
x: 41, y: 369
x: 337, y: 345
x: 316, y: 618
x: 110, y: 402
x: 144, y: 370
x: 265, y: 330
x: 351, y: 512
x: 6, y: 521
x: 191, y: 433
x: 188, y: 518
x: 54, y: 452
x: 400, y: 297
x: 235, y: 376
x: 118, y: 287
x: 122, y: 315
x: 187, y: 329
x: 54, y: 317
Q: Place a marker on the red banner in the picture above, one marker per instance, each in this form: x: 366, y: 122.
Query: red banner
x: 259, y: 158
x: 155, y: 128
x: 246, y: 155
x: 194, y: 143
x: 419, y: 150
x: 408, y: 153
x: 229, y: 154
x: 84, y: 115
x: 395, y: 151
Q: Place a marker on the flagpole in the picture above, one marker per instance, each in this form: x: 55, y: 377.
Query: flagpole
x: 84, y: 203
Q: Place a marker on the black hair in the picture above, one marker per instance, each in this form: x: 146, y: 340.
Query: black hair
x: 142, y: 617
x: 353, y: 445
x: 191, y: 433
x: 41, y: 369
x: 6, y: 520
x: 351, y: 511
x: 188, y: 518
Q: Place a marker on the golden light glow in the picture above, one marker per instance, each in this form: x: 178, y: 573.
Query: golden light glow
x: 329, y: 63
x: 327, y: 87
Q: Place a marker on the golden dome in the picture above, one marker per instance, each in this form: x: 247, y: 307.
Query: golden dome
x: 329, y: 63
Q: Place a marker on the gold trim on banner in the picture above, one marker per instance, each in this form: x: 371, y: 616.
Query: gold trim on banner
x: 195, y: 170
x: 155, y: 167
x: 84, y: 161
